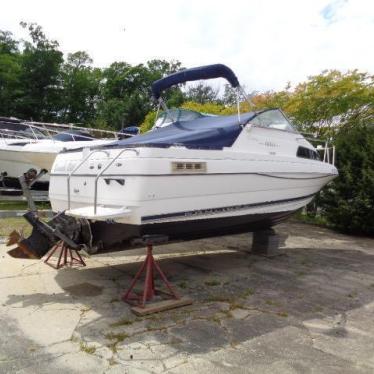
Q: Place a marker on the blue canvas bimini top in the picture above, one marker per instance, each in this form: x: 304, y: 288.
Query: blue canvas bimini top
x: 194, y: 74
x: 202, y: 133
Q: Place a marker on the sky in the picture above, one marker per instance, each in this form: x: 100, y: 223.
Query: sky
x: 267, y: 42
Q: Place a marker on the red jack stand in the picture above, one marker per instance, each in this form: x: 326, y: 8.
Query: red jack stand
x: 65, y: 257
x: 139, y: 302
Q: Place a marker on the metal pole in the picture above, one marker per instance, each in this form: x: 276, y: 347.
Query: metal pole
x: 164, y: 106
x: 27, y: 193
x: 106, y: 168
x: 246, y: 97
x: 77, y: 167
x: 325, y: 150
x: 238, y: 105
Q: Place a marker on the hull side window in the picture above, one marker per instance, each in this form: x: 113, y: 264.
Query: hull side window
x: 304, y: 152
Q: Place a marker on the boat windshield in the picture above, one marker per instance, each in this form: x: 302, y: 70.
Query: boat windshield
x: 72, y: 135
x: 176, y: 115
x: 19, y: 131
x: 273, y: 119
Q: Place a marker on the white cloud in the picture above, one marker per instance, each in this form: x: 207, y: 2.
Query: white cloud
x: 267, y: 43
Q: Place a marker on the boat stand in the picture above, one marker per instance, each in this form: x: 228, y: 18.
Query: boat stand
x: 26, y: 181
x: 141, y: 303
x: 66, y: 256
x: 268, y: 243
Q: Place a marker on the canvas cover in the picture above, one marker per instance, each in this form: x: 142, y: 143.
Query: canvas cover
x: 194, y: 74
x: 202, y: 133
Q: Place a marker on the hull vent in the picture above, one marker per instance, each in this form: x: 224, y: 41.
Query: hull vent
x: 188, y: 167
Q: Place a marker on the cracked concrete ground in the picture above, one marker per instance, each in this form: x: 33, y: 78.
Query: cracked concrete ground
x: 308, y: 311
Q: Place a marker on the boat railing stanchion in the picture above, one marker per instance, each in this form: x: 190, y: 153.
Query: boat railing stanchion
x: 106, y: 168
x: 164, y: 106
x: 158, y: 109
x: 33, y: 132
x: 325, y: 151
x: 238, y: 104
x: 246, y: 97
x: 77, y: 167
x: 49, y: 134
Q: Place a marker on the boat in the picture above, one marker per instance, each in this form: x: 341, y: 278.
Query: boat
x: 192, y: 178
x: 28, y: 146
x: 12, y: 130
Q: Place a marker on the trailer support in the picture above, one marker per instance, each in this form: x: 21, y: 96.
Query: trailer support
x: 140, y: 302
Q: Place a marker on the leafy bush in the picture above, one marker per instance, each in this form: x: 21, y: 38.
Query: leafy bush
x: 348, y: 202
x: 148, y: 122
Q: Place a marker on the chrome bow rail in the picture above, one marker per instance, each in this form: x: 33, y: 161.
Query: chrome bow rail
x: 329, y: 152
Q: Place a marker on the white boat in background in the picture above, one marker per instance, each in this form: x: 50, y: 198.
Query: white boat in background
x: 31, y: 145
x: 192, y: 178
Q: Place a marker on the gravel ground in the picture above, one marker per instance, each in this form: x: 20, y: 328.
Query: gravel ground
x: 307, y: 311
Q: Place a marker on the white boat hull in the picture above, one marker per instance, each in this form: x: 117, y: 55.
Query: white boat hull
x: 142, y: 183
x: 17, y: 158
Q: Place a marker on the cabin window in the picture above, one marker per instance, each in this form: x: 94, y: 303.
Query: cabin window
x: 273, y: 119
x: 304, y: 152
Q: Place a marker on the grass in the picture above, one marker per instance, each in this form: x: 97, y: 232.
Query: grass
x: 212, y: 282
x: 113, y: 347
x: 353, y: 294
x: 120, y: 337
x: 247, y: 292
x: 269, y: 302
x: 230, y: 298
x: 22, y: 205
x: 84, y: 347
x: 215, y: 319
x: 236, y: 305
x: 283, y: 314
x: 182, y: 284
x: 116, y: 339
x: 7, y: 225
x: 220, y: 299
x: 311, y: 219
x: 122, y: 322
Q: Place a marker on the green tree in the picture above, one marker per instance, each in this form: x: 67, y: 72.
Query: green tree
x: 10, y: 72
x: 202, y: 93
x: 158, y: 69
x: 40, y: 77
x: 126, y: 91
x: 81, y: 88
x: 229, y: 96
x: 325, y: 101
x: 209, y: 108
x: 330, y: 98
x: 125, y: 94
x: 348, y: 202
